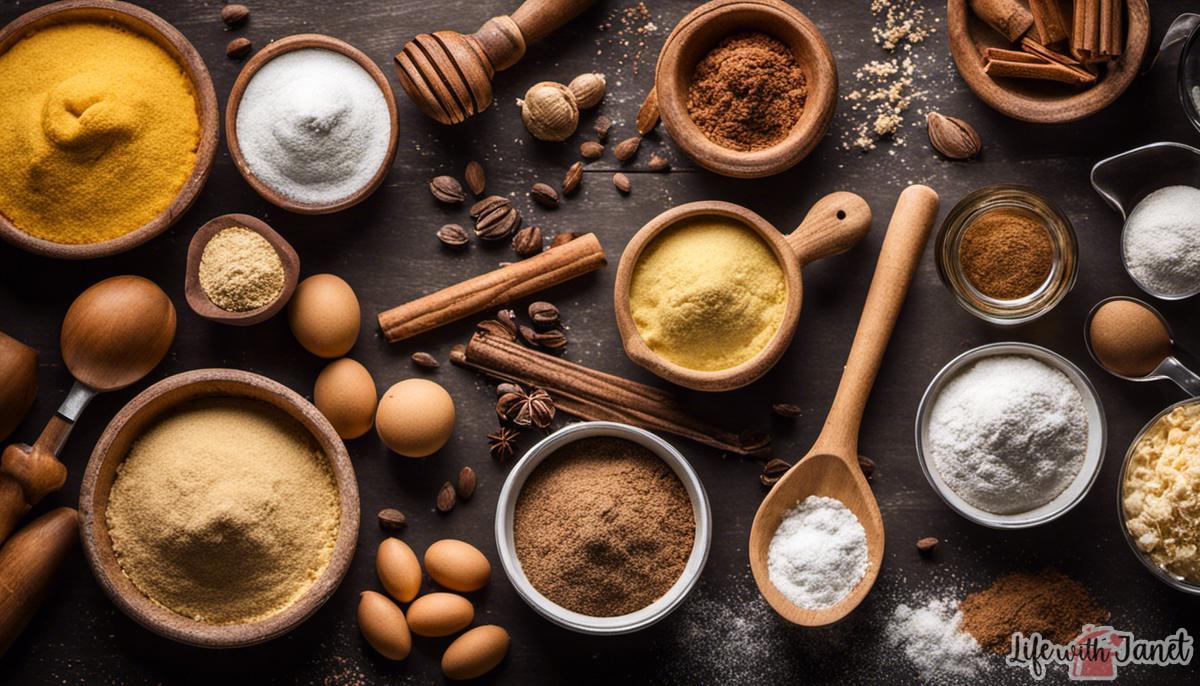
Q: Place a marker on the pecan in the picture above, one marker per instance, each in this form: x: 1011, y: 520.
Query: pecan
x: 233, y: 15
x: 562, y: 238
x: 238, y: 48
x: 622, y: 183
x: 446, y: 497
x: 591, y: 150
x: 544, y: 195
x: 476, y: 179
x: 773, y: 471
x: 601, y: 127
x: 527, y: 242
x: 627, y: 148
x: 571, y: 180
x: 466, y: 483
x: 447, y: 189
x: 543, y: 314
x: 453, y: 236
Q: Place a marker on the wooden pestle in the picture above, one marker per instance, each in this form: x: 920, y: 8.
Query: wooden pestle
x: 27, y: 564
x: 493, y: 289
x: 18, y: 382
x: 449, y: 75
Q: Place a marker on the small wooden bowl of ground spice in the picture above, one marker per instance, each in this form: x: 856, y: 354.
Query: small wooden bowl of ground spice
x: 240, y: 271
x: 1007, y: 254
x: 311, y: 124
x: 746, y: 88
x: 219, y: 509
x: 148, y: 89
x: 603, y: 528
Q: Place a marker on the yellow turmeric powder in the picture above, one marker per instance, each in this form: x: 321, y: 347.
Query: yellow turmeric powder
x: 100, y: 132
x: 708, y: 294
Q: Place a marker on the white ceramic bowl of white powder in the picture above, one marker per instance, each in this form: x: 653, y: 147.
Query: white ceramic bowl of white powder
x: 979, y: 413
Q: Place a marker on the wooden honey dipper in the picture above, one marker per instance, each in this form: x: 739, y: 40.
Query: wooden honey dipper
x: 449, y: 75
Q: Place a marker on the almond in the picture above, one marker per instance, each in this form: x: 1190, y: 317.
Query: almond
x: 953, y: 137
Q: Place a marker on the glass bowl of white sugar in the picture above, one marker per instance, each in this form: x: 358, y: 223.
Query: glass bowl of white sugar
x: 1010, y: 435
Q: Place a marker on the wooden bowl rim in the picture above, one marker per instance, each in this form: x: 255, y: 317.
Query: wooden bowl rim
x: 760, y: 540
x: 724, y: 379
x: 160, y: 31
x: 290, y: 43
x: 98, y: 548
x: 809, y: 130
x: 1073, y: 105
x: 199, y: 301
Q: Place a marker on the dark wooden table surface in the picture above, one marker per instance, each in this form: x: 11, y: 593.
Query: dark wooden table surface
x: 385, y: 248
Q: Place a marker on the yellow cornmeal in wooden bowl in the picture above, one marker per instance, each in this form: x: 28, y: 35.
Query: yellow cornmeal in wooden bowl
x: 1162, y: 493
x: 708, y: 294
x: 100, y: 131
x: 224, y: 511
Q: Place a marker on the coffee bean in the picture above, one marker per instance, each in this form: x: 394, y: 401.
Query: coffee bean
x: 446, y: 498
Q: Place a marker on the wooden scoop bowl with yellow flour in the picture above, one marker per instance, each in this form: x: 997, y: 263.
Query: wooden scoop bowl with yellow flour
x: 708, y: 293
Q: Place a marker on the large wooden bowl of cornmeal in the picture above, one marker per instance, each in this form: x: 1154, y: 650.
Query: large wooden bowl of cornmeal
x: 219, y: 509
x: 109, y: 136
x: 708, y: 294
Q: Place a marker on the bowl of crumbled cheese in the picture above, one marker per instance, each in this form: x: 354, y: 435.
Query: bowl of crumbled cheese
x: 1010, y: 435
x: 1159, y: 496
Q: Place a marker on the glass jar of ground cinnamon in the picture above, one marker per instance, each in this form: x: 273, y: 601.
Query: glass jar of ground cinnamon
x: 1007, y: 254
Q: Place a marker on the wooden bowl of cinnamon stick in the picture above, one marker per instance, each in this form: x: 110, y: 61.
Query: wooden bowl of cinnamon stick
x: 1048, y: 61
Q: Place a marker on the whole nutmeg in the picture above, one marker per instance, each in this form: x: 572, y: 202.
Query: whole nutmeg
x: 234, y: 14
x: 588, y: 90
x: 549, y: 111
x: 953, y: 137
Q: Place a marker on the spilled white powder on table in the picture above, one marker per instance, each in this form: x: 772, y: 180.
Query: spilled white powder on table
x: 1162, y: 240
x: 933, y: 641
x: 1008, y: 434
x: 818, y: 554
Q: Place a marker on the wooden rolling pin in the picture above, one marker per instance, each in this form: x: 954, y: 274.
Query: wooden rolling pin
x: 27, y: 564
x: 496, y: 288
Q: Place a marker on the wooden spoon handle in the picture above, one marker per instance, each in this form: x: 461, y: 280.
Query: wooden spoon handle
x: 835, y: 224
x: 27, y: 564
x: 902, y: 247
x: 29, y: 473
x: 537, y: 18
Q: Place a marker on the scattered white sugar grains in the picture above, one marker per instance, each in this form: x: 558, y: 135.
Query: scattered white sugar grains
x: 1162, y: 241
x: 818, y: 554
x: 314, y: 126
x: 934, y: 642
x: 1008, y: 434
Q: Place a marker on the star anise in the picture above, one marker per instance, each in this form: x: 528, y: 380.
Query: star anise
x: 501, y: 444
x: 526, y: 408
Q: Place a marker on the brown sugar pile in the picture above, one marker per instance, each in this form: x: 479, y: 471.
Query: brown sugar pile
x: 1047, y: 602
x: 748, y: 92
x: 603, y: 527
x: 1006, y: 254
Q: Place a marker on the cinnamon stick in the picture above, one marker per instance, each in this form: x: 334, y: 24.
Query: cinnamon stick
x: 593, y: 395
x: 1048, y: 21
x: 1091, y: 25
x: 1012, y: 55
x: 1106, y: 28
x: 1031, y: 46
x: 1078, y: 26
x: 1118, y: 30
x: 493, y: 289
x: 1049, y: 71
x: 1008, y: 17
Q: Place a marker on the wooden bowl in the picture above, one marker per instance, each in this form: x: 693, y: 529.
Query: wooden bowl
x: 835, y: 224
x: 698, y: 33
x: 260, y: 59
x: 199, y: 300
x: 114, y: 444
x: 164, y: 35
x: 1037, y: 101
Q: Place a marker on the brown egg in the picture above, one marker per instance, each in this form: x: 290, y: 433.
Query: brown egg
x: 457, y: 565
x: 475, y: 653
x: 1129, y: 338
x: 398, y: 569
x: 345, y: 394
x: 382, y: 623
x: 324, y: 315
x: 415, y: 417
x: 439, y: 614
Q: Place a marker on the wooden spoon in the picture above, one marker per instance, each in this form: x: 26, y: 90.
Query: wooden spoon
x: 831, y: 467
x: 114, y: 334
x: 27, y: 564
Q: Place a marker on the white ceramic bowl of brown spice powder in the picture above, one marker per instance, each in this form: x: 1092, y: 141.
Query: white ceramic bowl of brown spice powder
x: 603, y: 528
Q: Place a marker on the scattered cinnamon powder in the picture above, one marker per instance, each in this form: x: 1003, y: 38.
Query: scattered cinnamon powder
x: 603, y: 527
x: 1006, y: 253
x: 748, y: 92
x: 1047, y: 602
